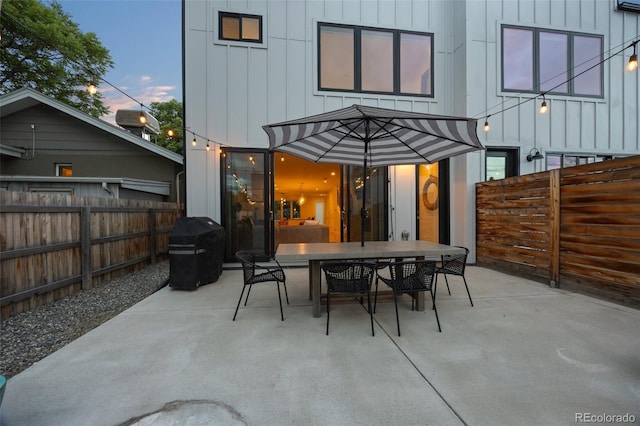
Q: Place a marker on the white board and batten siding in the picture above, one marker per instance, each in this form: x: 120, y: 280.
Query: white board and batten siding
x: 232, y: 89
x: 572, y: 124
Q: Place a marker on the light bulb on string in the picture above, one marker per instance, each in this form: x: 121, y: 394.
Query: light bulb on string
x: 143, y: 118
x: 486, y: 124
x: 92, y: 88
x: 194, y: 142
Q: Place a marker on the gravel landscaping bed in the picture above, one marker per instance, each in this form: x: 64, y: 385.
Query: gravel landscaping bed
x: 28, y: 337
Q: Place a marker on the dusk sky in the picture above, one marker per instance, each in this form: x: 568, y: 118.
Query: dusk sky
x: 144, y: 39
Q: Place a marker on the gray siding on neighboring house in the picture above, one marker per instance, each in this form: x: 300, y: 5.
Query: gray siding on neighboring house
x: 60, y: 138
x: 92, y: 152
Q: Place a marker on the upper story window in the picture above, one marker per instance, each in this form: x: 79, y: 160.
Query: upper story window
x: 239, y: 27
x: 372, y: 60
x: 545, y: 61
x: 629, y: 5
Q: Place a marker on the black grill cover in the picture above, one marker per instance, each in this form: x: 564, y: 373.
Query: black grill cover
x: 196, y: 252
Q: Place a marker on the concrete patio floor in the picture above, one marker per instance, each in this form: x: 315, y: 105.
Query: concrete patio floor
x: 525, y: 354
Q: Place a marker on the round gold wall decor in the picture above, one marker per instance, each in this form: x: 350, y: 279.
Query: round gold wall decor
x: 430, y: 193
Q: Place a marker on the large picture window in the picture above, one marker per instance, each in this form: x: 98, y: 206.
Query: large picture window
x: 374, y: 60
x: 545, y: 61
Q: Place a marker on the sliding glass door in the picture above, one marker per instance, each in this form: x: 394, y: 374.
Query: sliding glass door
x: 245, y: 199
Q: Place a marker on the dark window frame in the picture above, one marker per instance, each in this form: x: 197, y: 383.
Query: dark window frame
x: 628, y: 5
x: 536, y: 61
x: 357, y: 59
x: 61, y: 169
x: 579, y: 158
x: 239, y: 16
x: 511, y: 156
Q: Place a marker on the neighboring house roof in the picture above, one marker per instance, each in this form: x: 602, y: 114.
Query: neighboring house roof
x: 12, y: 151
x: 24, y: 98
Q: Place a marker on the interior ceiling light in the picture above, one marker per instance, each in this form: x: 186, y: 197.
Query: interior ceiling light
x: 301, y: 200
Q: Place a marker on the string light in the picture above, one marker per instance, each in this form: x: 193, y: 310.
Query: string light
x: 486, y: 123
x: 143, y: 118
x: 209, y: 142
x: 92, y: 88
x: 170, y: 133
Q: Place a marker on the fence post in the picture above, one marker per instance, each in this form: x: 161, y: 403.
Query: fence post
x: 85, y: 237
x: 554, y: 227
x: 153, y: 235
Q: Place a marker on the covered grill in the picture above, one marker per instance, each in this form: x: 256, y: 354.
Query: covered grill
x: 196, y: 252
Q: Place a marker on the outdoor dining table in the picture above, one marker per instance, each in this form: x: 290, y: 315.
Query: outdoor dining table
x: 316, y: 253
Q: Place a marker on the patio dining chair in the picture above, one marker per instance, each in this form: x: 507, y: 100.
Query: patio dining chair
x: 410, y: 276
x: 352, y: 277
x: 255, y: 274
x: 453, y: 265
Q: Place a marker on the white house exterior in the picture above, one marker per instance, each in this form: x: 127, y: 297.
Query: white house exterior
x: 233, y: 87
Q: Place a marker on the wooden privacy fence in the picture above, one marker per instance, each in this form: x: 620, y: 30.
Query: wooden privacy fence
x: 576, y: 228
x: 54, y: 245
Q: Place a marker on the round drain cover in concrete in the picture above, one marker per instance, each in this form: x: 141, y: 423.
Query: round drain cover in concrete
x: 190, y: 413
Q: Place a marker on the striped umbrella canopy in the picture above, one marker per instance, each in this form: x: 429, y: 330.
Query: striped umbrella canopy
x: 374, y: 137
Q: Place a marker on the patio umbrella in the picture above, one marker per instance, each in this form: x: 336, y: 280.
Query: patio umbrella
x: 374, y: 137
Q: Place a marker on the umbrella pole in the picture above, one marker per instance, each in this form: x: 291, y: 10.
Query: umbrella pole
x: 363, y: 211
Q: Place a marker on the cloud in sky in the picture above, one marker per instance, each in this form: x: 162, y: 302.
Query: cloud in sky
x: 145, y: 92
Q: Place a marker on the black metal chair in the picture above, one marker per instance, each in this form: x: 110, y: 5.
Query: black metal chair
x: 353, y: 277
x: 453, y: 265
x: 251, y: 277
x: 410, y: 276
